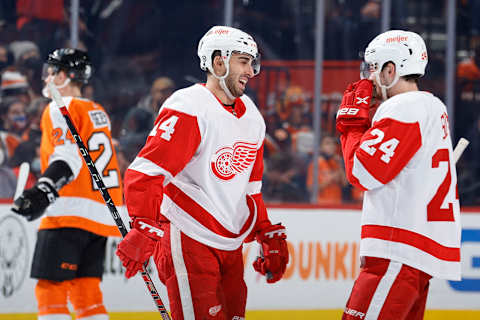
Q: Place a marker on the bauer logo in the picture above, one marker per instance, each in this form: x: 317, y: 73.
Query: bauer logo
x: 14, y: 255
x: 470, y: 262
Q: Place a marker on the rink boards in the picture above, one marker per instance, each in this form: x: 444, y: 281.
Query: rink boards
x: 323, y: 264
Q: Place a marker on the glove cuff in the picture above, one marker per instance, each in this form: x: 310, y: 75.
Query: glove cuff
x: 273, y: 231
x: 46, y: 185
x: 148, y: 228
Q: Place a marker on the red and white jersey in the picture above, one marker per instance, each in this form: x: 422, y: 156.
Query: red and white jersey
x: 211, y: 161
x: 411, y: 208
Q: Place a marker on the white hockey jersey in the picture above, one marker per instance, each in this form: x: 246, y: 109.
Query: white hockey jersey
x: 411, y: 211
x: 212, y: 161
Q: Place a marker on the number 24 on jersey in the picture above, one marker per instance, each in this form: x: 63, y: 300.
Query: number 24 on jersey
x: 167, y: 126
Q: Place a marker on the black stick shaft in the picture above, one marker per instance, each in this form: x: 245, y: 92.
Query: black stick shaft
x: 106, y: 196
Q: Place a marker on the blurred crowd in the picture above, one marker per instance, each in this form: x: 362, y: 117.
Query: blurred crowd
x: 140, y: 59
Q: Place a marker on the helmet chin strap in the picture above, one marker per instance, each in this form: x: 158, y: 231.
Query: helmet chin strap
x: 384, y: 87
x: 221, y: 79
x: 46, y: 92
x: 223, y: 85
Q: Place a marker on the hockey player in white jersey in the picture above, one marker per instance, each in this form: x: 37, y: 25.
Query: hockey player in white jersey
x: 403, y: 159
x: 193, y: 191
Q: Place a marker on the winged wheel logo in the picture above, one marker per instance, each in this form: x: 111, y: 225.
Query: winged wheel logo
x: 229, y: 161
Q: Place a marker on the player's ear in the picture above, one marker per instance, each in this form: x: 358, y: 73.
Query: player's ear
x: 219, y: 65
x: 391, y: 69
x: 61, y: 76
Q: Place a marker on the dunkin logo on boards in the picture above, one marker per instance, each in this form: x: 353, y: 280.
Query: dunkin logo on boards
x: 397, y: 39
x: 315, y: 260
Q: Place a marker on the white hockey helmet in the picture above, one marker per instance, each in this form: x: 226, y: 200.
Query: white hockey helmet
x: 226, y: 40
x: 405, y: 49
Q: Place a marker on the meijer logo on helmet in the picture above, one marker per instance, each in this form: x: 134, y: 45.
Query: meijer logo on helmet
x: 397, y: 39
x: 221, y: 31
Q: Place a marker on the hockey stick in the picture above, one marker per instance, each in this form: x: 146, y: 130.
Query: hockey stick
x: 22, y: 179
x: 106, y: 196
x: 459, y: 148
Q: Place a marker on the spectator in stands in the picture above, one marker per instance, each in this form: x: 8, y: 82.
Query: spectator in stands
x: 331, y: 176
x: 123, y: 161
x: 42, y: 22
x: 162, y: 88
x: 15, y: 85
x: 34, y: 114
x: 14, y: 118
x: 137, y: 125
x: 469, y: 69
x: 6, y: 57
x: 27, y: 151
x: 8, y: 182
x: 468, y: 93
x: 284, y: 178
x: 294, y: 98
x: 13, y: 121
x: 139, y: 120
x: 28, y: 62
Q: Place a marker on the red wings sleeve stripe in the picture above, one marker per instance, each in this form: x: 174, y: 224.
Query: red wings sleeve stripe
x: 363, y: 176
x: 173, y: 141
x: 148, y: 167
x: 384, y: 150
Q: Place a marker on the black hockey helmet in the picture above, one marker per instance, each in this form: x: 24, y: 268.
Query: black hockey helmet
x: 74, y: 62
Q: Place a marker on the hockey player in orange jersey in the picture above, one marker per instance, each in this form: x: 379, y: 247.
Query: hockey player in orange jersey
x: 403, y: 160
x: 70, y: 247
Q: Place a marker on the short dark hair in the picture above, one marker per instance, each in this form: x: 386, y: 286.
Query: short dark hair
x: 215, y: 53
x: 408, y: 77
x: 411, y: 77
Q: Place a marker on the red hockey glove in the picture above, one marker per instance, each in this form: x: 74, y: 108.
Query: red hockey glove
x: 353, y: 112
x: 273, y: 252
x: 138, y: 245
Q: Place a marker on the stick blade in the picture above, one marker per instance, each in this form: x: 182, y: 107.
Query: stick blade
x: 23, y: 173
x: 459, y: 148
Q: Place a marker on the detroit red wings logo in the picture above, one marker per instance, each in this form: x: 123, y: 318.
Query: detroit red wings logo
x: 228, y: 161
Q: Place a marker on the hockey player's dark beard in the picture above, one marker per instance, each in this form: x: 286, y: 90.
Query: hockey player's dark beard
x: 234, y: 90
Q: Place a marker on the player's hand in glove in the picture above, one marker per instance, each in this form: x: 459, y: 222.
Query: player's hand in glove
x: 138, y: 245
x: 33, y: 202
x: 273, y: 262
x: 353, y: 112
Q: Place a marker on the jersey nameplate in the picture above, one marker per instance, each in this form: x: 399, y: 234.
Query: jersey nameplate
x: 98, y: 118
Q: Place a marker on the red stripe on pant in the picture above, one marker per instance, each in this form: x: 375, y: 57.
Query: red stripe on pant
x: 213, y: 283
x: 380, y: 293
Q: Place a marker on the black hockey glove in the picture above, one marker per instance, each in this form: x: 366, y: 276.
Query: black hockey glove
x: 33, y: 202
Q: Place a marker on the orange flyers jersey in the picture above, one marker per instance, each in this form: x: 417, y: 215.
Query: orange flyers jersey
x: 80, y: 204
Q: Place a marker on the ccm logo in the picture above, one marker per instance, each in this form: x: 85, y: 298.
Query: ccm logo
x: 349, y: 111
